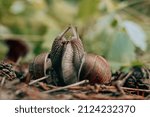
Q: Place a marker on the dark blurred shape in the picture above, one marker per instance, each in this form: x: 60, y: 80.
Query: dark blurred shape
x: 17, y: 48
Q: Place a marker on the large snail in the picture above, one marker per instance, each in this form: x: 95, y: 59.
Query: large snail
x: 71, y: 63
x: 69, y: 59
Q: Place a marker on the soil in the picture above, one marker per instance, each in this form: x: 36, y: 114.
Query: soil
x: 16, y: 83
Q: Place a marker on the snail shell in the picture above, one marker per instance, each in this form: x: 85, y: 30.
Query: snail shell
x: 96, y: 69
x: 41, y: 63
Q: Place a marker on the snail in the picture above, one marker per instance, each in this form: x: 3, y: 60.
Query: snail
x: 65, y: 55
x: 41, y: 66
x: 69, y: 58
x: 96, y: 69
x: 43, y: 62
x: 70, y: 63
x: 56, y: 53
x: 76, y: 65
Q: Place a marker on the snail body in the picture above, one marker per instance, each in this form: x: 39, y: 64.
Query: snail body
x: 78, y: 52
x: 68, y: 73
x: 57, y: 49
x: 69, y: 58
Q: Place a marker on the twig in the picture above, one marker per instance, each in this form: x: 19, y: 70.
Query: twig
x: 126, y: 88
x: 126, y: 77
x: 105, y: 97
x: 35, y: 81
x: 3, y: 81
x: 133, y: 89
x: 65, y: 87
x: 118, y: 84
x: 118, y: 87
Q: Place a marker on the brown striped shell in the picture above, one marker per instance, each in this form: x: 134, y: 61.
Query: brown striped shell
x: 39, y: 65
x: 96, y: 69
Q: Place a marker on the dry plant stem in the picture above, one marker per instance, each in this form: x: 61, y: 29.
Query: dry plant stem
x: 125, y: 88
x: 35, y: 81
x: 118, y: 87
x: 118, y: 84
x: 68, y: 86
x: 105, y: 97
x: 133, y: 89
x: 3, y: 81
x: 126, y: 77
x: 51, y: 86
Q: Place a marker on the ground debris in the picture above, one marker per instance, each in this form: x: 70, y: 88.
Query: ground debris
x: 135, y: 85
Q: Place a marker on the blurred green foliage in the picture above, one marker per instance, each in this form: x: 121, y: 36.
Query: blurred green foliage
x: 116, y: 29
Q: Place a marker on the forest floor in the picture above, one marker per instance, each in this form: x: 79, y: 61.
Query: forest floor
x: 15, y: 84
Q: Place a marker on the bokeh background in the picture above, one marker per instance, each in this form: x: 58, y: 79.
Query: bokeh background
x: 119, y: 30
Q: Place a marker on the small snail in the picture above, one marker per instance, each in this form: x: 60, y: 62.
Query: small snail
x: 41, y: 66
